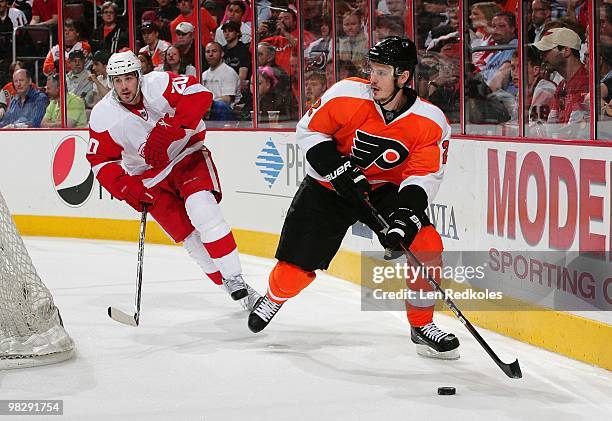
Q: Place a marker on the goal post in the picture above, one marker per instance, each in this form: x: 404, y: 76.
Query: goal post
x: 31, y: 328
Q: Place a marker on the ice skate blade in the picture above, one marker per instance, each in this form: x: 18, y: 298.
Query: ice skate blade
x: 428, y: 352
x: 239, y: 294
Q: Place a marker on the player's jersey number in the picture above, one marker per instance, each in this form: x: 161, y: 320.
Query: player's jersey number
x: 93, y: 146
x: 445, y: 151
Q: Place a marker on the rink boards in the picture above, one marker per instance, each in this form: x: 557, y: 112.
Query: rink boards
x: 518, y: 197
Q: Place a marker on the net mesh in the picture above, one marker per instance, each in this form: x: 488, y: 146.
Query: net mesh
x: 30, y: 323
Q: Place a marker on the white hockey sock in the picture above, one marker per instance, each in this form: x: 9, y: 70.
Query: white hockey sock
x: 205, y: 215
x: 195, y: 249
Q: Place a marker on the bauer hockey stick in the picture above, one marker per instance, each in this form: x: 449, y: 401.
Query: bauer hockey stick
x: 117, y: 314
x: 512, y: 370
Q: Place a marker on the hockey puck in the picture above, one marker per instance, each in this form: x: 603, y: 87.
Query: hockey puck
x: 446, y: 390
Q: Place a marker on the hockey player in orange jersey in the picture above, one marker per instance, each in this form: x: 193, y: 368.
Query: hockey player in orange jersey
x: 366, y: 138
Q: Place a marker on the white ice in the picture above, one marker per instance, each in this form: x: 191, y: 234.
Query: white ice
x: 321, y: 358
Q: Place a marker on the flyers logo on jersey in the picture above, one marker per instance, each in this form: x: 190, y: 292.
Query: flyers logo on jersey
x: 383, y: 152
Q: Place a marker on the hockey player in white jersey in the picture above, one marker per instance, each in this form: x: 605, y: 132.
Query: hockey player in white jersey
x: 147, y: 147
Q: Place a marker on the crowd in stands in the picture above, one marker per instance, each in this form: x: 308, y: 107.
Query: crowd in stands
x: 261, y: 53
x: 556, y: 100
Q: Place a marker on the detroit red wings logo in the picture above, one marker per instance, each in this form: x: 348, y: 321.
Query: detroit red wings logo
x: 383, y: 152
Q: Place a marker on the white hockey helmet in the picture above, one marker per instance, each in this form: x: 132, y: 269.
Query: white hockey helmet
x: 121, y: 64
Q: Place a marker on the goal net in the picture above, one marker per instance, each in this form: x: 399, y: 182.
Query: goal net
x: 31, y: 330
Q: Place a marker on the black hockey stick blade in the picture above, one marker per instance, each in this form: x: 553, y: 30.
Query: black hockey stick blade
x: 121, y: 317
x: 512, y: 370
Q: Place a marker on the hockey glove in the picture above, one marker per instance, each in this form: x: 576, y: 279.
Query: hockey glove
x: 406, y: 220
x: 136, y: 194
x: 349, y: 181
x: 404, y: 225
x: 166, y: 131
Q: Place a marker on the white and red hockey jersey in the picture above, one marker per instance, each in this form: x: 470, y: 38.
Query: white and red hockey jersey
x: 411, y: 149
x: 117, y: 133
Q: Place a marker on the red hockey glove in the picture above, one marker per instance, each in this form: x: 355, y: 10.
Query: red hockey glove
x: 163, y: 134
x: 136, y: 194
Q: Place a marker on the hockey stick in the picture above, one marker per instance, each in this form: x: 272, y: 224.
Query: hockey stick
x: 512, y: 370
x: 117, y: 314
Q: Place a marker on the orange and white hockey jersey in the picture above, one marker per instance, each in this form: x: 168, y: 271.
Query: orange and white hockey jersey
x: 118, y: 133
x: 411, y: 149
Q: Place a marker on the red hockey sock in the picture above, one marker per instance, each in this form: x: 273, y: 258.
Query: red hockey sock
x: 221, y: 247
x: 216, y: 277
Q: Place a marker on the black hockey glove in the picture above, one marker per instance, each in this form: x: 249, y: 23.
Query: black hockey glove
x: 406, y: 220
x: 349, y: 181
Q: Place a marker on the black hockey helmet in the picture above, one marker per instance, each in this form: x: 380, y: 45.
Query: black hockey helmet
x: 398, y: 52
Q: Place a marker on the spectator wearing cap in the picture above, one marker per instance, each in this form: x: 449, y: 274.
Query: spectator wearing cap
x: 77, y: 80
x: 235, y: 12
x: 185, y: 42
x: 163, y: 28
x: 207, y: 23
x: 44, y: 12
x: 173, y: 62
x: 236, y: 53
x: 154, y: 47
x: 76, y: 116
x: 72, y: 42
x: 28, y: 107
x: 109, y: 36
x: 98, y: 77
x: 222, y: 81
x: 560, y: 50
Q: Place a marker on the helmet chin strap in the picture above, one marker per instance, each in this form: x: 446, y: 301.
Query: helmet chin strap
x: 392, y: 97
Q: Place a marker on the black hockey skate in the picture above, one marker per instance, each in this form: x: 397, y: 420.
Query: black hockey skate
x: 236, y: 287
x: 434, y: 343
x: 263, y: 312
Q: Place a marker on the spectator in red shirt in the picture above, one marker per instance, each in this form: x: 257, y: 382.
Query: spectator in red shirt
x: 44, y: 12
x: 207, y: 23
x: 286, y: 39
x: 569, y: 114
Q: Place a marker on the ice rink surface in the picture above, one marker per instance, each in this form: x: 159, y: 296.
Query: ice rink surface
x: 321, y: 359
